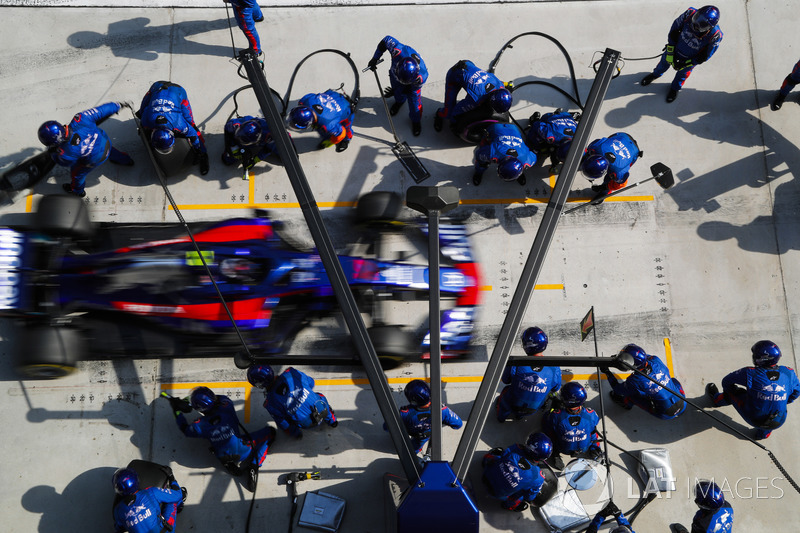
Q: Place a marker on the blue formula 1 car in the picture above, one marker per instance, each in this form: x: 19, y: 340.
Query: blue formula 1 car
x: 86, y: 291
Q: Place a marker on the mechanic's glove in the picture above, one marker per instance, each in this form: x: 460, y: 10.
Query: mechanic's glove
x: 373, y: 64
x: 388, y: 92
x: 670, y: 54
x: 509, y: 85
x: 611, y: 510
x: 680, y: 64
x: 595, y: 454
x: 343, y: 144
x: 325, y: 143
x: 125, y: 104
x: 179, y: 405
x: 497, y: 451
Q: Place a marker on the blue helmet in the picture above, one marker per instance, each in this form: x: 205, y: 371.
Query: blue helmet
x: 707, y: 495
x: 163, y: 140
x: 594, y: 166
x: 704, y: 19
x: 539, y: 446
x: 534, y: 341
x: 301, y: 117
x: 52, y: 133
x: 418, y: 393
x: 126, y: 481
x: 260, y: 376
x: 203, y: 399
x: 500, y: 100
x: 573, y: 394
x: 249, y: 133
x: 407, y: 71
x: 509, y: 168
x: 639, y: 355
x: 765, y: 353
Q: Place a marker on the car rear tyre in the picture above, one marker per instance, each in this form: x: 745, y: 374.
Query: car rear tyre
x: 63, y: 215
x: 48, y: 352
x: 393, y: 345
x: 378, y: 206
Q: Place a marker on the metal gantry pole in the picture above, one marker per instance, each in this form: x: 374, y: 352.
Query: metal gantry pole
x: 432, y: 201
x: 341, y: 288
x: 519, y: 302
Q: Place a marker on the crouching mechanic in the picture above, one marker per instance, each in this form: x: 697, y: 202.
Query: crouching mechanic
x: 760, y: 393
x: 219, y: 424
x: 165, y: 113
x: 407, y: 74
x: 549, y: 131
x: 608, y: 159
x: 291, y: 400
x: 515, y: 475
x: 528, y: 387
x: 329, y: 113
x: 611, y: 509
x: 503, y: 144
x: 572, y: 429
x: 715, y: 514
x: 145, y: 509
x: 247, y: 139
x: 417, y: 415
x: 81, y: 145
x: 654, y: 398
x: 692, y: 40
x: 481, y: 87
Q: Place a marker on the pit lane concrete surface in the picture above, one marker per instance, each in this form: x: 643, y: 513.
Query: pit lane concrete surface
x: 695, y: 274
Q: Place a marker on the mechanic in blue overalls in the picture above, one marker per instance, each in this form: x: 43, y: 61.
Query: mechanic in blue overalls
x: 407, y: 74
x: 247, y: 139
x: 789, y: 83
x: 291, y: 400
x: 760, y: 393
x: 165, y: 112
x: 247, y: 13
x: 219, y: 424
x: 715, y: 514
x: 573, y: 428
x: 623, y: 525
x: 610, y: 159
x: 514, y: 475
x: 145, y: 510
x: 692, y: 40
x: 416, y: 416
x: 329, y: 113
x: 81, y: 145
x: 504, y: 146
x: 480, y: 86
x: 640, y: 391
x: 549, y: 131
x: 528, y: 388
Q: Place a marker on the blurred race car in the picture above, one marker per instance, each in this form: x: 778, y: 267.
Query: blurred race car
x: 81, y: 290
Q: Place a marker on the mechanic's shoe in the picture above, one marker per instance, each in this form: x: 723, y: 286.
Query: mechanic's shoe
x: 522, y: 180
x: 477, y: 179
x: 228, y: 159
x: 259, y: 19
x: 556, y: 461
x: 121, y: 158
x: 712, y: 391
x: 598, y: 188
x: 204, y: 163
x: 343, y: 144
x: 395, y: 108
x: 778, y: 102
x: 599, y: 198
x: 536, y: 116
x: 619, y: 400
x: 678, y: 528
x: 672, y: 95
x: 251, y: 479
x: 521, y: 507
x: 184, y: 494
x: 761, y: 434
x: 68, y: 189
x: 438, y: 122
x: 416, y: 128
x: 647, y: 80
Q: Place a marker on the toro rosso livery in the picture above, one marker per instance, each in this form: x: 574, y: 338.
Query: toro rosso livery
x: 155, y: 297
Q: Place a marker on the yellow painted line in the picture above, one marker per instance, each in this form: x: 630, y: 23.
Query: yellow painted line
x: 266, y: 205
x: 29, y: 203
x: 668, y: 352
x: 251, y: 187
x: 538, y: 287
x: 645, y: 198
